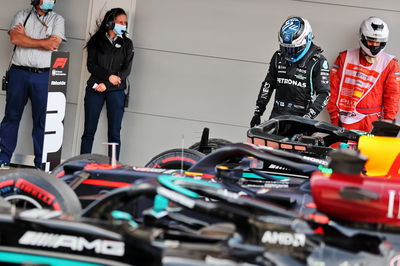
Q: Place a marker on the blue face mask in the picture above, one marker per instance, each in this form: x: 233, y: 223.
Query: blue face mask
x: 119, y: 29
x: 47, y: 5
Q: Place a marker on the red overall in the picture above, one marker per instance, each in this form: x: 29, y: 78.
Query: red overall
x: 362, y: 92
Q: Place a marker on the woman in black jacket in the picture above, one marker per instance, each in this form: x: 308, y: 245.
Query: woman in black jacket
x: 110, y: 55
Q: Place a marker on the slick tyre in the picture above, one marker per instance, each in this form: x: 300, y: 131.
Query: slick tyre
x: 28, y: 188
x: 79, y: 161
x: 213, y: 144
x: 175, y: 159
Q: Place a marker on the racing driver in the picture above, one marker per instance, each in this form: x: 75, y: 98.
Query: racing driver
x: 365, y: 82
x: 298, y: 72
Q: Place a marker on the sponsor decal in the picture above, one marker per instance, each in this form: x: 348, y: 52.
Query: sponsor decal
x: 154, y: 170
x: 266, y: 87
x: 273, y: 166
x: 54, y: 124
x: 292, y: 82
x: 35, y: 191
x: 60, y: 62
x: 274, y: 184
x: 301, y: 70
x: 284, y: 239
x: 325, y: 73
x: 301, y: 77
x: 56, y: 103
x: 55, y: 72
x: 58, y: 83
x: 265, y: 90
x: 74, y: 243
x: 312, y: 112
x: 391, y: 204
x: 325, y: 64
x: 361, y: 75
x: 326, y: 100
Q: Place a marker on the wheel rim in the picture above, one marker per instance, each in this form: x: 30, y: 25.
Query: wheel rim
x: 23, y: 202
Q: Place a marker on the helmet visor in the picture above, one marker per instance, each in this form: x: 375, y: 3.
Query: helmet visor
x: 369, y: 39
x: 291, y: 52
x: 375, y: 45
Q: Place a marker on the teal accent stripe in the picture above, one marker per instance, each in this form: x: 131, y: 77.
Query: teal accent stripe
x: 12, y: 257
x: 397, y: 73
x: 361, y: 133
x: 254, y: 176
x: 333, y: 65
x: 311, y: 80
x: 121, y: 215
x: 160, y: 204
x: 168, y: 181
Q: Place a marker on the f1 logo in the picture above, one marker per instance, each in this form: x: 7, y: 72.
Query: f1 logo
x: 60, y: 62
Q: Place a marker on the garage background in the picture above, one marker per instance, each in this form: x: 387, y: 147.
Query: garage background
x: 198, y: 63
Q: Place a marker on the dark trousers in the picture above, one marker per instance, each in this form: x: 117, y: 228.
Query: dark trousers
x: 94, y: 102
x: 278, y: 111
x: 24, y: 85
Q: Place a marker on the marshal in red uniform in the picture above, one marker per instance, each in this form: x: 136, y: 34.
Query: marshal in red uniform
x: 365, y: 82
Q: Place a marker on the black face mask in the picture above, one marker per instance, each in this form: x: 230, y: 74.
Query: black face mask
x: 374, y: 49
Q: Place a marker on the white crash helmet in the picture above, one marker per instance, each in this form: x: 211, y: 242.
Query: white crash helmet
x: 295, y: 38
x: 373, y: 29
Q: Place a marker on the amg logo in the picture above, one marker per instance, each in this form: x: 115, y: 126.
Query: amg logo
x: 292, y: 82
x: 75, y: 243
x: 277, y: 167
x: 285, y: 239
x: 58, y: 83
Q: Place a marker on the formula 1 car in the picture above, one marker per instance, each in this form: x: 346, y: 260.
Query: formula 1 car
x: 256, y: 177
x: 245, y: 196
x: 228, y: 229
x: 90, y: 177
x: 311, y: 137
x: 290, y: 133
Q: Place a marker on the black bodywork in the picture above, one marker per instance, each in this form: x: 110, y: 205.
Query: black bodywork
x: 301, y: 135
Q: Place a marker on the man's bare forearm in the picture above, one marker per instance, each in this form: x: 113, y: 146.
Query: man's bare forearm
x: 20, y: 39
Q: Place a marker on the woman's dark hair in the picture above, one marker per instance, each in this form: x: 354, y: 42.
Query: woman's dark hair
x: 103, y: 26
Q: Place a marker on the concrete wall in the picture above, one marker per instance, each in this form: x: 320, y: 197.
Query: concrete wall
x: 201, y: 63
x: 80, y: 17
x: 198, y: 63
